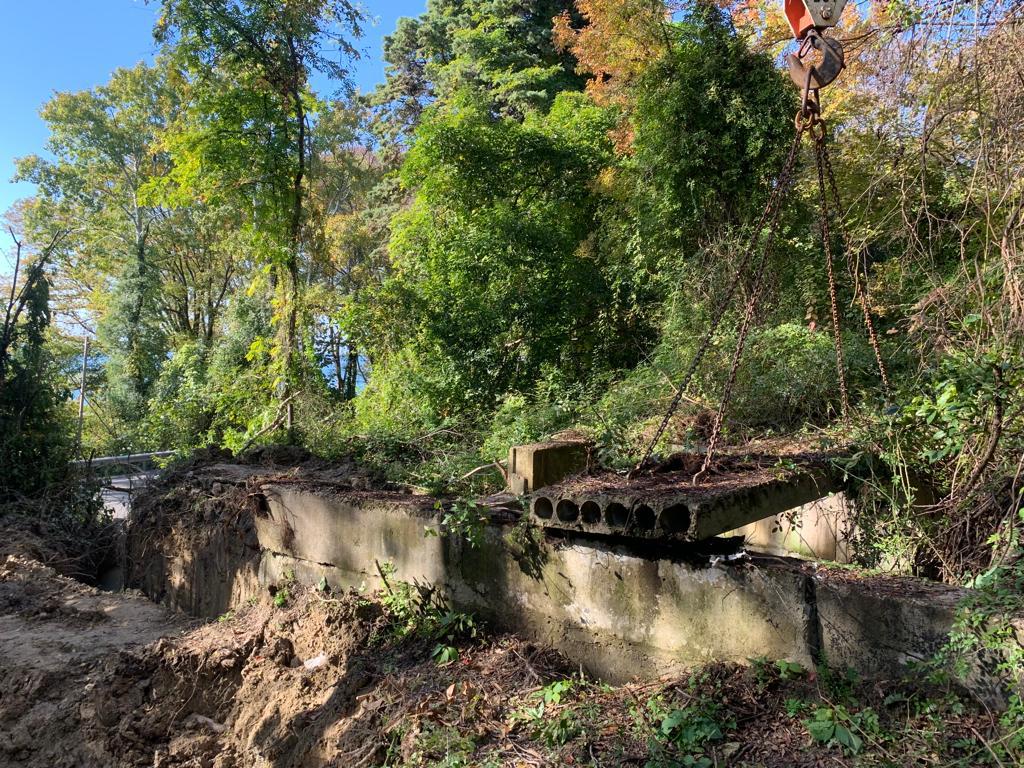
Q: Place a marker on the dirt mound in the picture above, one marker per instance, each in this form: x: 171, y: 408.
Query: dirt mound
x: 306, y: 678
x: 55, y: 634
x: 264, y: 688
x: 299, y: 679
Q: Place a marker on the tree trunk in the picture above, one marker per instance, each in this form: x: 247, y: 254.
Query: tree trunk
x: 351, y: 373
x: 294, y: 236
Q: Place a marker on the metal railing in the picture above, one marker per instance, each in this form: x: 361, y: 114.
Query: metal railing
x: 131, y: 462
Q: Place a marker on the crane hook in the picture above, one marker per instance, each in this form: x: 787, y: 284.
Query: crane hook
x: 831, y: 60
x: 808, y: 20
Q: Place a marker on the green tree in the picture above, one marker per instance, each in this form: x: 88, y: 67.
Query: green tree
x: 493, y: 270
x: 499, y: 54
x: 712, y: 121
x: 104, y: 143
x: 34, y: 441
x: 247, y: 135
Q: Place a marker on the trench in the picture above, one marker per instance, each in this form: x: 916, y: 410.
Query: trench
x: 621, y: 607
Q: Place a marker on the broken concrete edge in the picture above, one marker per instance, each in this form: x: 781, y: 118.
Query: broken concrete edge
x: 498, y: 508
x: 614, y: 607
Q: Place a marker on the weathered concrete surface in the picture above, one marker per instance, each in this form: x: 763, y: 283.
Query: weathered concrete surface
x: 535, y: 466
x: 622, y: 608
x: 619, y: 611
x: 670, y: 506
x: 819, y: 530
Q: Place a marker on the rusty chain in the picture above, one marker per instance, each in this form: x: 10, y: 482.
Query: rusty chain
x: 741, y: 343
x: 826, y: 240
x: 858, y: 271
x: 770, y: 213
x: 808, y: 120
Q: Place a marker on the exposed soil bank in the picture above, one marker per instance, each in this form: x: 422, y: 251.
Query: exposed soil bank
x: 219, y: 534
x: 314, y: 679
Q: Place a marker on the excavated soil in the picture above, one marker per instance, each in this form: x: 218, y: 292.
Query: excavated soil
x: 56, y: 636
x: 304, y: 678
x: 296, y: 679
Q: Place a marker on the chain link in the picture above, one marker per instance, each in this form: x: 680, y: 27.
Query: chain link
x: 770, y: 213
x: 808, y: 120
x: 858, y: 270
x: 737, y: 355
x: 826, y: 240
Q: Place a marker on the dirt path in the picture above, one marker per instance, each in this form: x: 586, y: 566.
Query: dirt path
x: 56, y: 636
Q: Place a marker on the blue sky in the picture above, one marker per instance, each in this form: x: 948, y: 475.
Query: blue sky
x: 69, y: 45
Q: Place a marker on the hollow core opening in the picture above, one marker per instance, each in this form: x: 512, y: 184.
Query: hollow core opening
x: 591, y: 512
x: 675, y: 519
x: 616, y: 516
x: 543, y: 508
x: 567, y: 511
x: 644, y: 517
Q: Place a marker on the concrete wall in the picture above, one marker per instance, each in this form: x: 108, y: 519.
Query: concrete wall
x: 620, y: 612
x: 818, y: 531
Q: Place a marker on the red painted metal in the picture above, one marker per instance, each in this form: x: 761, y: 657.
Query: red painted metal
x: 800, y: 19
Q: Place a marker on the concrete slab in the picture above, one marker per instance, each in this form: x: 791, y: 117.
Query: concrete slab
x: 669, y: 506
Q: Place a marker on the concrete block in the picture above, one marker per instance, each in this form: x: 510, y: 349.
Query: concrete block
x: 535, y: 466
x: 620, y: 611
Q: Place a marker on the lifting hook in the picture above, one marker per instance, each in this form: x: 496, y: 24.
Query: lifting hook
x: 808, y: 20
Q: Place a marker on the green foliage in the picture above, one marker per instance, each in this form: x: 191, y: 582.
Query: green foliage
x: 281, y: 597
x: 133, y: 341
x: 788, y: 378
x: 442, y: 747
x: 245, y: 140
x: 464, y: 519
x: 181, y: 410
x: 105, y: 155
x: 796, y: 707
x: 836, y: 726
x: 839, y: 683
x: 491, y: 270
x: 554, y: 729
x: 419, y: 612
x: 986, y: 633
x: 35, y: 443
x: 680, y: 736
x: 552, y: 405
x: 712, y: 121
x: 282, y: 591
x: 789, y: 670
x: 498, y: 53
x: 786, y: 381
